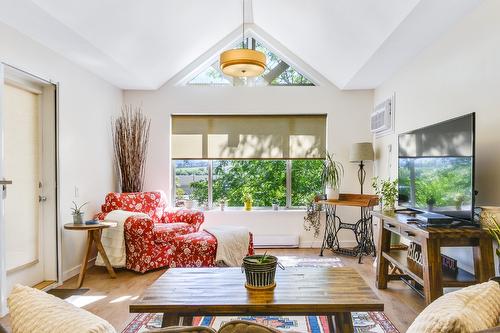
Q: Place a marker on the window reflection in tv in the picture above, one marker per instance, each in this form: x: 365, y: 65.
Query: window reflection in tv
x: 437, y: 184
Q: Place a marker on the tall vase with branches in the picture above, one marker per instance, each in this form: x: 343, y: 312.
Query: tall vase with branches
x: 130, y: 140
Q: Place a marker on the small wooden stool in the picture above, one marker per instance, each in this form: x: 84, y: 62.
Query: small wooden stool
x: 93, y: 235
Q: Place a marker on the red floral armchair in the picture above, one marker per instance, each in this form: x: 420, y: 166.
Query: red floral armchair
x: 166, y: 238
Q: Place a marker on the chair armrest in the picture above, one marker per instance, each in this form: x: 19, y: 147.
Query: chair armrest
x: 139, y: 226
x: 192, y: 217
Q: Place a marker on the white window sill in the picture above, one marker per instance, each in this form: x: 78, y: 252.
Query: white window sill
x: 258, y: 210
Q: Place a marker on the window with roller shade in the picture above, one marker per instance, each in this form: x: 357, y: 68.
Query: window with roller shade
x: 277, y: 158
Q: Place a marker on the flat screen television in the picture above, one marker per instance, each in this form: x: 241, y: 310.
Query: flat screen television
x: 436, y: 168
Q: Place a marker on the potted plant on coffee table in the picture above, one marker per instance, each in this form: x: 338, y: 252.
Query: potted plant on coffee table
x: 260, y: 271
x: 332, y: 174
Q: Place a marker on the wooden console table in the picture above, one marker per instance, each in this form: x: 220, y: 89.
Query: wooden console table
x: 362, y: 229
x: 431, y: 239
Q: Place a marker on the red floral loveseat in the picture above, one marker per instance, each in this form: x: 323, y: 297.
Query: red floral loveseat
x: 165, y: 238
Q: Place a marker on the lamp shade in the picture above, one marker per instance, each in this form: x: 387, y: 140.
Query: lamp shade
x: 243, y: 63
x: 362, y: 151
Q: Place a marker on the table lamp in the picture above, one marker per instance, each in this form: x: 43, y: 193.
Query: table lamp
x: 359, y: 153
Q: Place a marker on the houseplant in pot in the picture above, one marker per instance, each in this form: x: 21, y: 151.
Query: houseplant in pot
x: 387, y: 190
x: 332, y: 174
x: 260, y: 271
x: 77, y: 213
x: 247, y: 200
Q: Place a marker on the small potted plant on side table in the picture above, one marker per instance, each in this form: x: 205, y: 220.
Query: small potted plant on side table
x: 332, y: 174
x: 77, y: 213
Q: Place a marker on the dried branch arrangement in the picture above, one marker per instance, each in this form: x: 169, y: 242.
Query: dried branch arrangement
x: 130, y: 140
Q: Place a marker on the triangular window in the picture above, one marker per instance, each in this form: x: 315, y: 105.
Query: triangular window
x: 277, y: 73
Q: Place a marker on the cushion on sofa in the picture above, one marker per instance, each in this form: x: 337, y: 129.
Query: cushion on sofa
x: 164, y: 232
x: 32, y: 310
x: 467, y: 310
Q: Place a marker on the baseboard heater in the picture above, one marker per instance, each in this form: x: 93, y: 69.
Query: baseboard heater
x: 276, y: 241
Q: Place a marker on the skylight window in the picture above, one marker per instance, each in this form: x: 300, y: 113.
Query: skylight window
x: 277, y: 73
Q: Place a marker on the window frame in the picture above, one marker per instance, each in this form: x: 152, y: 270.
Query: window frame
x: 288, y: 186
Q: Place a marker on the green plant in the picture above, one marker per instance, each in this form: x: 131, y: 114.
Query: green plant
x: 77, y: 210
x: 263, y: 259
x: 332, y: 174
x: 247, y: 196
x: 387, y: 190
x: 490, y: 224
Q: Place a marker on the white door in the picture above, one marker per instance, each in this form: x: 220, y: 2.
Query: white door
x: 22, y: 165
x: 29, y: 238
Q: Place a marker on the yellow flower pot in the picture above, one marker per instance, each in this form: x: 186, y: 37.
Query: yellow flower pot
x: 248, y: 205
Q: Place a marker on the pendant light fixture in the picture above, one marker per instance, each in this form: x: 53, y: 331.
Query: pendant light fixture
x: 243, y: 62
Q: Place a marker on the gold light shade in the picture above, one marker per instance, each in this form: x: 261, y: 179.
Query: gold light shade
x: 242, y: 62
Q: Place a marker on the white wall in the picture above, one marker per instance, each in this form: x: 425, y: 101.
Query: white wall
x: 457, y: 75
x: 347, y: 123
x: 86, y: 104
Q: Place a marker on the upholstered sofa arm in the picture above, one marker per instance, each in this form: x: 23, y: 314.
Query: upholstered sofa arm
x: 138, y: 226
x: 192, y: 217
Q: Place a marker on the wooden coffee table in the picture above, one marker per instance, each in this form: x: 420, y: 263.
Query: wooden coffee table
x: 300, y: 291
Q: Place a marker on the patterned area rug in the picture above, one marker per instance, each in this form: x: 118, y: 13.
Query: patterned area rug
x: 364, y: 322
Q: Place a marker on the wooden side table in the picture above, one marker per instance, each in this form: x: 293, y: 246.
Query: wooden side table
x: 93, y: 235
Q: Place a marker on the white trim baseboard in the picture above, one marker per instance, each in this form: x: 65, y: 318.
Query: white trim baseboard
x: 317, y: 244
x: 68, y: 274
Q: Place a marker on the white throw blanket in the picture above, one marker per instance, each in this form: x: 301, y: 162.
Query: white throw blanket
x: 113, y: 238
x: 232, y: 244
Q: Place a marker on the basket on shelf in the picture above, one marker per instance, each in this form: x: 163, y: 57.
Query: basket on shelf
x: 260, y: 271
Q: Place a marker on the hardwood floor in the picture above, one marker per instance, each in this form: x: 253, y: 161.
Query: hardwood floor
x: 110, y: 298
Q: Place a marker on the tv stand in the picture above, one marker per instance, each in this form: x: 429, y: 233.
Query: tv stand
x: 431, y: 239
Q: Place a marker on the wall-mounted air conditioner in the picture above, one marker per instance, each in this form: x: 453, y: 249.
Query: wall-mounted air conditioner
x: 382, y: 118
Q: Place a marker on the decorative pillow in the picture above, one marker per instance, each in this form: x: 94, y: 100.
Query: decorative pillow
x: 467, y: 310
x: 32, y: 310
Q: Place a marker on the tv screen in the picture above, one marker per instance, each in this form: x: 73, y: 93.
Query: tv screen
x: 436, y: 168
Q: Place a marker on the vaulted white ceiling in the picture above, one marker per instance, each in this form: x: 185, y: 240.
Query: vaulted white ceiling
x: 354, y: 44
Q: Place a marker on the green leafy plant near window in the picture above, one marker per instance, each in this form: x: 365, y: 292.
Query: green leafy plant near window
x: 388, y: 192
x: 332, y: 172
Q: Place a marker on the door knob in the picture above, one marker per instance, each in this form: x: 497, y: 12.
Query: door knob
x: 42, y: 198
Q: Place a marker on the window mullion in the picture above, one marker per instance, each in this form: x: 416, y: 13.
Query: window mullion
x: 173, y: 192
x: 288, y: 184
x: 210, y: 179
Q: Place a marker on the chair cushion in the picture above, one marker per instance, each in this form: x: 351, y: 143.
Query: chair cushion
x: 32, y: 310
x: 470, y: 309
x: 165, y: 232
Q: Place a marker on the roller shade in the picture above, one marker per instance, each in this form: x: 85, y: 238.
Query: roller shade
x: 248, y: 136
